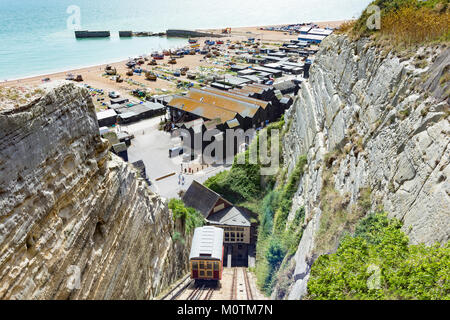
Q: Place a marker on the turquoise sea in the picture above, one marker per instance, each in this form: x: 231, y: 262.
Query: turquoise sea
x: 35, y: 39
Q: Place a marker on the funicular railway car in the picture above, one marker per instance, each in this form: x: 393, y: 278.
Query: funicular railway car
x: 206, y: 256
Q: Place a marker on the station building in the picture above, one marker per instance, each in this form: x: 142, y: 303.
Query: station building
x: 239, y: 231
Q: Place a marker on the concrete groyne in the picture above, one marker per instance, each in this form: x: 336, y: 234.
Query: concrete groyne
x: 92, y: 34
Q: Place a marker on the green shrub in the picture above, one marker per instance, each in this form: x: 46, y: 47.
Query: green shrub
x: 275, y: 253
x: 275, y: 240
x: 405, y: 271
x: 285, y: 201
x: 240, y: 183
x: 178, y: 237
x: 191, y: 217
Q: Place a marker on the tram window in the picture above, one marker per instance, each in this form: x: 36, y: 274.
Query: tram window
x: 216, y: 266
x: 202, y: 273
x: 209, y: 273
x: 194, y: 265
x: 202, y: 265
x: 208, y: 265
x: 232, y: 234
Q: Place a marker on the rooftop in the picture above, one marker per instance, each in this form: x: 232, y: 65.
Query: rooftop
x: 201, y: 109
x: 261, y: 103
x: 311, y: 37
x: 106, y: 114
x: 207, y: 243
x: 231, y: 216
x: 201, y: 198
x: 245, y: 109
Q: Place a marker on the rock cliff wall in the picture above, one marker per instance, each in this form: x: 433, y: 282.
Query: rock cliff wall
x: 370, y: 120
x: 76, y: 222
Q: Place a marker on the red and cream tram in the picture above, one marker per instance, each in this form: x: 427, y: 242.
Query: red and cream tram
x: 206, y: 257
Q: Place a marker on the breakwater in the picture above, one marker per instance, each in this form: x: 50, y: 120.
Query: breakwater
x: 190, y: 34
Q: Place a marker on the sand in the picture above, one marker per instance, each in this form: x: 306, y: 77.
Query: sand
x: 93, y: 76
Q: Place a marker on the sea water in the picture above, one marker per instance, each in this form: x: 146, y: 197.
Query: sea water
x: 37, y: 36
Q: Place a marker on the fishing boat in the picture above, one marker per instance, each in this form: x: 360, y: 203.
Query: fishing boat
x: 191, y: 75
x: 192, y: 41
x: 131, y: 64
x: 219, y: 42
x: 150, y: 76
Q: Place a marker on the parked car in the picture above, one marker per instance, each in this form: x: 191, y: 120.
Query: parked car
x: 113, y: 95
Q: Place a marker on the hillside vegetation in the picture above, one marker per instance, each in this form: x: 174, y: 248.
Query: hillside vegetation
x: 377, y: 263
x: 406, y: 22
x: 271, y: 199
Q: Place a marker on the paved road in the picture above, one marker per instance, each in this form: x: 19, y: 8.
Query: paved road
x: 152, y: 147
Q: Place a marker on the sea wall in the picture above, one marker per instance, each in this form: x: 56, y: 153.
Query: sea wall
x: 76, y: 222
x: 371, y: 120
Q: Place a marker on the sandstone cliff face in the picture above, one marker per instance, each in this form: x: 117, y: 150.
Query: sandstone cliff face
x: 390, y: 120
x: 76, y: 222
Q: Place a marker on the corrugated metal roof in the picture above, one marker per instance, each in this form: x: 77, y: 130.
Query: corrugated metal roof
x: 201, y: 109
x: 320, y: 32
x: 233, y: 123
x: 245, y: 109
x: 252, y: 89
x: 261, y: 103
x: 106, y: 114
x: 311, y: 37
x: 241, y: 92
x: 207, y: 243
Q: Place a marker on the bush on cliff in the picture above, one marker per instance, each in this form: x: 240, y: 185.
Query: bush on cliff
x: 191, y: 217
x: 406, y: 22
x: 277, y: 237
x: 377, y: 263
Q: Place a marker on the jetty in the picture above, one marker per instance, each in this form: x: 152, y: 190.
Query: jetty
x: 92, y: 34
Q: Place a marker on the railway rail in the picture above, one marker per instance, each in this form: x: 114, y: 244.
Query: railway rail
x: 179, y: 289
x: 243, y: 281
x: 248, y: 289
x: 234, y: 285
x: 202, y: 291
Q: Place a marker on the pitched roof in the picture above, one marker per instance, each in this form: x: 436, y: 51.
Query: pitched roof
x: 201, y: 109
x: 285, y: 85
x: 207, y: 243
x: 245, y: 109
x: 231, y: 216
x: 106, y: 114
x: 201, y: 198
x: 261, y: 103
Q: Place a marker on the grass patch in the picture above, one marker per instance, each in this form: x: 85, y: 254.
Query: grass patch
x: 406, y: 22
x: 338, y: 216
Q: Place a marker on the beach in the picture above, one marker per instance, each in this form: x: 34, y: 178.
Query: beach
x: 94, y: 75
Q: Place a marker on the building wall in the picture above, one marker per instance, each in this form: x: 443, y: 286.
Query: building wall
x: 241, y: 234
